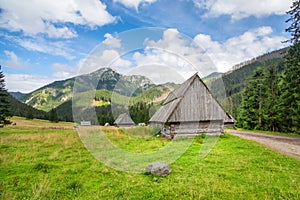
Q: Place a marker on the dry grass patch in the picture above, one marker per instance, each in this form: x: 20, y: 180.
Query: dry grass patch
x: 43, y: 124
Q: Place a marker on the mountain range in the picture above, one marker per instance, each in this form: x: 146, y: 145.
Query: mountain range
x: 58, y: 92
x: 140, y: 90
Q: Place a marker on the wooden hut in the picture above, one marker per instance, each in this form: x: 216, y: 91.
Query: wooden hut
x: 124, y: 120
x: 190, y: 109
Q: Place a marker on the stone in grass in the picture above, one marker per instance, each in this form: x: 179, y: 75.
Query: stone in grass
x: 158, y: 169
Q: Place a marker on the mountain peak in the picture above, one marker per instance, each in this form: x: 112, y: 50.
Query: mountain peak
x: 58, y: 92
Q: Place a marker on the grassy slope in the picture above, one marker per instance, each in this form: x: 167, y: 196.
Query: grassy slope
x: 38, y: 124
x: 48, y: 162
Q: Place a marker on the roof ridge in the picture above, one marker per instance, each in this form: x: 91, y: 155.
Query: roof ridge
x: 185, y: 85
x: 189, y: 81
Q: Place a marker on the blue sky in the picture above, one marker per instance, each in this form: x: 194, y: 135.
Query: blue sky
x: 47, y: 40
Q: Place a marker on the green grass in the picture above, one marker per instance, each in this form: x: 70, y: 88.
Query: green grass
x: 49, y: 163
x: 137, y: 139
x: 100, y: 103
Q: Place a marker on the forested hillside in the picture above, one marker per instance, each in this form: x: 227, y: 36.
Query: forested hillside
x: 236, y: 80
x: 271, y: 100
x: 58, y: 92
x: 145, y: 100
x: 18, y: 108
x: 17, y: 95
x: 248, y: 96
x: 140, y: 107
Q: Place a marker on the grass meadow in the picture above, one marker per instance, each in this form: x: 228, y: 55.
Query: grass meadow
x: 43, y: 160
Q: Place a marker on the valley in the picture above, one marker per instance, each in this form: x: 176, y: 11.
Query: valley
x: 59, y: 94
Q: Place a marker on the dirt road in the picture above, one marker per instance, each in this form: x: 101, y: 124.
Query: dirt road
x: 285, y: 144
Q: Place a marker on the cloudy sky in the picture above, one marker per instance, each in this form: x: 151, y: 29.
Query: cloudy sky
x: 47, y: 40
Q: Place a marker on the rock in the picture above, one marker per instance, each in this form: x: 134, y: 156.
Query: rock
x: 158, y: 169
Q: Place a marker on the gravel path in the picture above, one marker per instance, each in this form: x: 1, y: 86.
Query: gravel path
x: 285, y: 144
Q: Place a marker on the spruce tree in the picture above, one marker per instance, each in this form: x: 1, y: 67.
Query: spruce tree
x: 294, y: 20
x: 251, y: 110
x: 4, y: 102
x: 260, y: 99
x: 271, y: 101
x: 29, y: 114
x: 270, y: 105
x: 290, y: 87
x: 290, y: 95
x: 53, y: 115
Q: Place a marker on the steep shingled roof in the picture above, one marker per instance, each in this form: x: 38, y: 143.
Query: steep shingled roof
x: 192, y: 101
x: 124, y: 119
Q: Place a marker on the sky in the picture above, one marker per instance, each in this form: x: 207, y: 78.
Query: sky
x: 48, y: 40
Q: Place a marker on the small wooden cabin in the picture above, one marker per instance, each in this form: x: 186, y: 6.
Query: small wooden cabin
x: 190, y: 109
x: 124, y: 120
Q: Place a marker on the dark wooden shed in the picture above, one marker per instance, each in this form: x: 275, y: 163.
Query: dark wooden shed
x: 190, y: 109
x: 124, y: 120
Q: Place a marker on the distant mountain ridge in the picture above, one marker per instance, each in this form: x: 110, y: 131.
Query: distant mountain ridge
x: 102, y: 100
x: 267, y: 56
x: 212, y: 76
x: 58, y: 92
x: 139, y: 88
x: 17, y: 95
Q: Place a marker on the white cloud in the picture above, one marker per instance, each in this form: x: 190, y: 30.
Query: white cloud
x: 158, y: 73
x: 29, y: 82
x: 53, y: 48
x: 26, y: 83
x: 63, y: 71
x: 176, y: 52
x: 166, y: 61
x: 106, y: 58
x: 49, y: 16
x: 244, y: 8
x: 134, y: 3
x: 169, y: 59
x: 240, y: 48
x: 204, y: 55
x: 56, y: 48
x: 13, y: 61
x: 111, y: 42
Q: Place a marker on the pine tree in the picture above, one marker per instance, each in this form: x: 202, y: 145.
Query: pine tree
x: 270, y: 106
x: 290, y: 96
x: 29, y: 114
x: 294, y: 28
x: 271, y: 101
x: 290, y: 87
x: 4, y: 102
x: 251, y: 111
x: 53, y: 115
x: 259, y: 108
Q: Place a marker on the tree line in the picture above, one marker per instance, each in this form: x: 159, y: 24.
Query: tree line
x: 9, y: 106
x: 271, y: 101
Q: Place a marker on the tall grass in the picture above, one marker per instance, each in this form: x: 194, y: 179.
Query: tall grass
x: 54, y: 164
